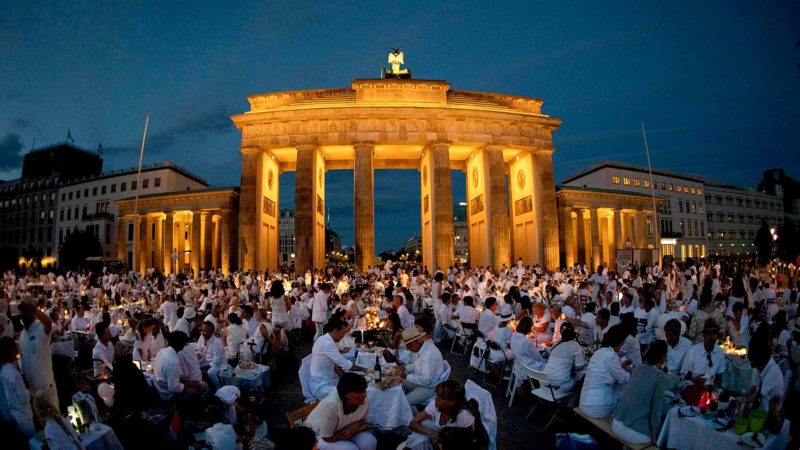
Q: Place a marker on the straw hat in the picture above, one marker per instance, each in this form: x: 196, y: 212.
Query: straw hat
x: 412, y: 334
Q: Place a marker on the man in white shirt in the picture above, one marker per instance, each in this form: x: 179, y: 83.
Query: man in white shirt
x: 705, y: 361
x: 103, y: 351
x: 427, y: 367
x: 212, y: 354
x: 466, y: 313
x: 488, y: 320
x: 327, y: 362
x: 15, y: 397
x: 340, y: 420
x: 35, y: 350
x: 79, y: 322
x: 767, y: 381
x: 406, y: 318
x: 677, y: 345
x: 319, y: 309
x: 188, y: 394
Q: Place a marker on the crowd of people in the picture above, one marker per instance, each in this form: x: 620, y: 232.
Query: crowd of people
x: 145, y: 342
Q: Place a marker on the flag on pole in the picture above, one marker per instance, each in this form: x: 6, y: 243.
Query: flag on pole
x: 99, y: 148
x: 69, y: 136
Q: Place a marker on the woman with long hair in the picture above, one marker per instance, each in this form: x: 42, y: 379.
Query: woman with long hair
x: 280, y: 305
x: 449, y: 409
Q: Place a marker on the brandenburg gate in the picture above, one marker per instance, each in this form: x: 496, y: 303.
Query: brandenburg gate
x: 502, y: 142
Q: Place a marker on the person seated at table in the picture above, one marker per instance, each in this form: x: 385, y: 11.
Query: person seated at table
x: 79, y: 322
x: 189, y: 395
x: 488, y: 319
x: 605, y: 376
x: 705, y: 361
x: 566, y: 359
x: 637, y: 419
x: 297, y: 438
x: 555, y: 325
x: 58, y: 433
x: 212, y: 354
x: 233, y: 337
x: 221, y: 435
x: 448, y: 409
x: 767, y: 381
x: 541, y: 323
x: 144, y: 344
x: 427, y: 363
x: 631, y: 349
x: 15, y: 398
x: 677, y: 345
x: 466, y: 313
x: 445, y: 327
x: 266, y: 338
x: 737, y: 328
x: 327, y: 362
x: 340, y: 419
x: 103, y: 351
x: 406, y: 318
x: 501, y: 334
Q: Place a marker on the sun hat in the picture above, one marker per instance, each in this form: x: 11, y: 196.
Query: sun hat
x: 412, y: 334
x: 506, y: 313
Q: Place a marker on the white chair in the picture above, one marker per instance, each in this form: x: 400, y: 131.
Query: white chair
x: 546, y: 392
x: 443, y: 377
x: 465, y: 337
x: 486, y: 408
x: 304, y: 374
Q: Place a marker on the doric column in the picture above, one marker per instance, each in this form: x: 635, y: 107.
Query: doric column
x: 144, y: 262
x: 158, y: 263
x: 208, y: 239
x: 225, y: 222
x: 137, y: 243
x: 580, y: 240
x: 169, y: 230
x: 597, y: 258
x: 249, y: 202
x: 548, y: 213
x: 497, y: 207
x: 569, y: 239
x: 215, y: 262
x: 436, y: 211
x: 364, y: 207
x: 617, y: 241
x: 309, y: 225
x: 196, y: 248
x: 122, y: 239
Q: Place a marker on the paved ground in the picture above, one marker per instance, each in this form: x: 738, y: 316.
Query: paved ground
x: 514, y: 432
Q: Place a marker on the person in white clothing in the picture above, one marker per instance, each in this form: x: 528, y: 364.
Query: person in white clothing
x: 566, y: 359
x: 605, y: 376
x: 188, y: 394
x: 212, y: 354
x: 488, y: 320
x: 677, y: 345
x: 79, y: 322
x: 340, y: 420
x: 319, y: 309
x: 406, y: 318
x: 501, y: 335
x: 327, y: 362
x: 35, y: 349
x: 466, y: 313
x: 103, y: 351
x: 705, y: 361
x: 14, y: 396
x: 427, y: 366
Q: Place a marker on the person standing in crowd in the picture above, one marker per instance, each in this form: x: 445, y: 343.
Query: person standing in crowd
x: 35, y: 349
x: 16, y: 398
x: 280, y: 305
x: 319, y: 309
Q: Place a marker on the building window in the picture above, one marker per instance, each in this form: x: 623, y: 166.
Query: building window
x: 61, y: 214
x: 626, y: 181
x: 123, y: 187
x: 94, y: 190
x: 646, y: 184
x: 130, y: 231
x: 685, y: 189
x: 694, y: 207
x: 145, y: 183
x: 103, y: 190
x: 70, y: 195
x: 655, y: 185
x: 157, y: 182
x: 691, y: 190
x: 64, y: 196
x: 69, y: 214
x: 671, y: 187
x: 680, y: 206
x: 84, y: 212
x: 682, y: 229
x: 134, y: 184
x: 636, y: 182
x: 114, y: 188
x: 702, y: 229
x: 614, y: 179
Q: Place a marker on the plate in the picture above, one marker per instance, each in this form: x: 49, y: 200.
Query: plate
x: 716, y: 423
x: 756, y: 440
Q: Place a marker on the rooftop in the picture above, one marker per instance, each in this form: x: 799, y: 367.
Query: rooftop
x: 628, y: 166
x: 145, y: 168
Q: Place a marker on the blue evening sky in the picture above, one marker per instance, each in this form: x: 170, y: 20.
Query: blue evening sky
x: 716, y: 83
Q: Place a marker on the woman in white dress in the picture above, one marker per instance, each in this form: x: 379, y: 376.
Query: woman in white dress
x: 449, y: 409
x: 605, y: 376
x: 233, y: 337
x: 280, y: 305
x: 566, y: 358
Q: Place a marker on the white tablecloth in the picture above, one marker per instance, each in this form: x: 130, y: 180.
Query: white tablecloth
x: 687, y: 433
x: 102, y: 438
x: 389, y: 408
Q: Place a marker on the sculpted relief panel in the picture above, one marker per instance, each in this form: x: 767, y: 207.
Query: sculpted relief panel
x: 395, y: 130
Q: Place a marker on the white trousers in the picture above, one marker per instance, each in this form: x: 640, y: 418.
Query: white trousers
x: 362, y: 441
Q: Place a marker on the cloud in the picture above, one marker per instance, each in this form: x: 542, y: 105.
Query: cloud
x: 203, y: 123
x: 10, y: 157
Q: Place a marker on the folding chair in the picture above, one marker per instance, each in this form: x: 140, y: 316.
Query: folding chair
x: 546, y: 392
x: 298, y: 416
x: 487, y: 362
x: 466, y: 335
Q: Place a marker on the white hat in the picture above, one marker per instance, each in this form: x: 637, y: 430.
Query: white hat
x: 189, y: 313
x: 228, y: 394
x: 506, y: 312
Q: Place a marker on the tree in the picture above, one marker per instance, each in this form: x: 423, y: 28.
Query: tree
x: 9, y: 258
x: 763, y: 243
x: 78, y: 246
x: 788, y: 240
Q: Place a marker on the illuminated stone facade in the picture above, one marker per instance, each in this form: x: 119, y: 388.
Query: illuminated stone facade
x: 401, y: 123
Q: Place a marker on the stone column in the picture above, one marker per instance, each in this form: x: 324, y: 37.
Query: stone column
x: 215, y: 262
x: 497, y: 207
x: 249, y: 202
x: 442, y: 206
x: 580, y: 239
x: 364, y: 207
x: 122, y: 239
x: 548, y: 213
x: 208, y: 239
x: 169, y: 231
x: 597, y: 258
x: 159, y: 242
x: 569, y: 239
x: 137, y: 243
x: 144, y: 263
x: 225, y: 222
x: 304, y: 202
x: 196, y: 247
x: 617, y: 243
